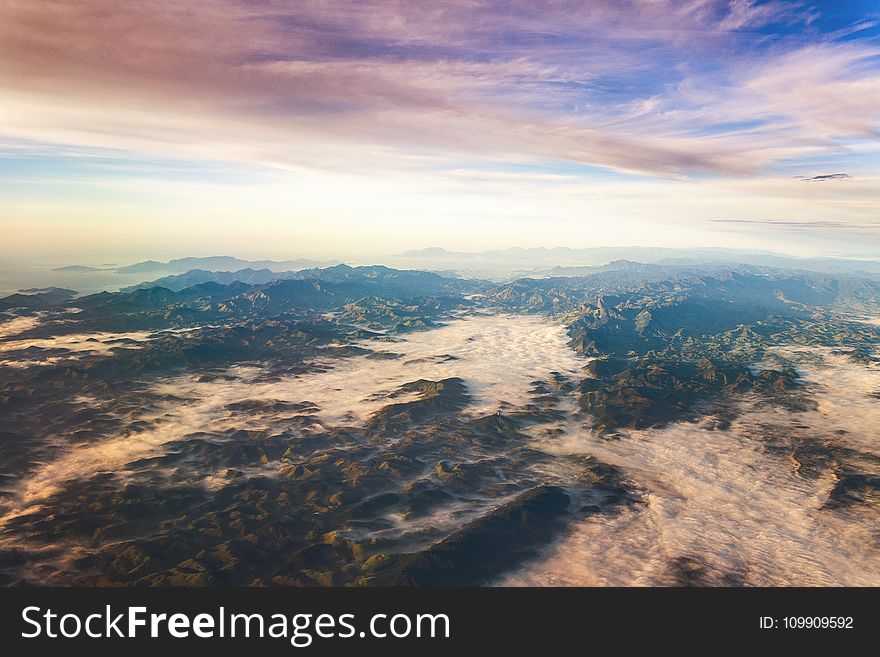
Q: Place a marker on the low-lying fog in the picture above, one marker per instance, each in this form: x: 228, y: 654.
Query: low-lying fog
x: 497, y: 357
x: 721, y: 507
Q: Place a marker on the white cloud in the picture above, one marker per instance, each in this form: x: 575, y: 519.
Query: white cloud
x: 717, y: 496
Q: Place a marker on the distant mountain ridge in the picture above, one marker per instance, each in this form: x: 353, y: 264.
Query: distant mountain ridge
x: 516, y: 262
x: 178, y: 282
x: 37, y: 298
x: 499, y: 265
x: 411, y: 280
x: 208, y: 263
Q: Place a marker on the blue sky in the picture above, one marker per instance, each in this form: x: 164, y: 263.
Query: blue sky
x: 343, y: 129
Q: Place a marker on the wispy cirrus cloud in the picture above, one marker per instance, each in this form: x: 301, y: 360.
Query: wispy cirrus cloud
x: 715, y: 92
x: 825, y: 177
x: 803, y: 225
x: 612, y: 84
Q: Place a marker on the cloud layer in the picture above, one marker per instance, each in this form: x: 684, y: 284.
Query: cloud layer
x: 624, y: 85
x: 723, y: 504
x: 446, y: 94
x: 499, y: 357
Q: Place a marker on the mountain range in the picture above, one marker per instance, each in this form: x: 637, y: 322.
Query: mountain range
x: 320, y: 427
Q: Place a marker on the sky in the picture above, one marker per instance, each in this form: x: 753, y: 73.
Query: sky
x: 262, y: 128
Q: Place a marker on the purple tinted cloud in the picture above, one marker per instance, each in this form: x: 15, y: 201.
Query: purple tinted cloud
x: 669, y: 87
